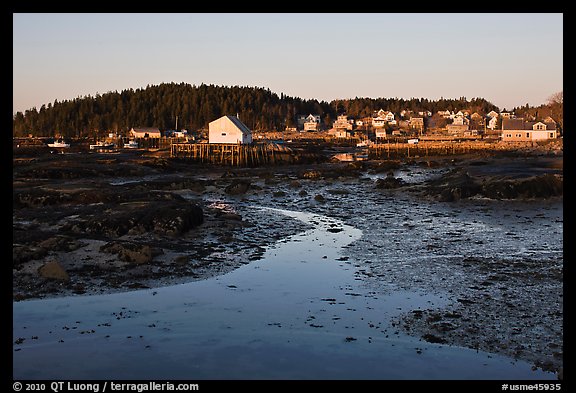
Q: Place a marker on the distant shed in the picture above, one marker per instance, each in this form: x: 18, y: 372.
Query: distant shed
x: 229, y: 129
x: 147, y: 132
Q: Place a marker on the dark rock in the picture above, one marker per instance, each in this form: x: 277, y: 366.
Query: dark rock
x: 455, y: 185
x: 544, y: 186
x: 238, y: 187
x: 386, y: 166
x: 433, y: 339
x: 163, y: 217
x: 390, y: 182
x: 181, y: 259
x: 319, y: 198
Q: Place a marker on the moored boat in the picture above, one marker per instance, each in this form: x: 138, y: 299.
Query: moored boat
x: 101, y: 145
x: 59, y: 143
x: 132, y: 144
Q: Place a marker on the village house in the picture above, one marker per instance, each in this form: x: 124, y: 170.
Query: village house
x: 549, y: 120
x: 341, y: 133
x: 380, y: 133
x: 378, y: 122
x: 229, y: 129
x: 477, y: 122
x: 457, y: 129
x: 492, y: 123
x: 492, y: 114
x: 389, y: 116
x: 308, y: 123
x: 446, y: 114
x: 364, y: 122
x: 417, y: 123
x: 476, y: 116
x: 382, y: 117
x: 176, y: 133
x: 145, y: 132
x: 460, y: 120
x: 343, y: 123
x: 518, y: 130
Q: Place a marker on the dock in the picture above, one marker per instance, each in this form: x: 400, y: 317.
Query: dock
x: 242, y: 155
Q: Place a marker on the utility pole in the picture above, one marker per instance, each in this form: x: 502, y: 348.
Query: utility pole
x: 176, y: 123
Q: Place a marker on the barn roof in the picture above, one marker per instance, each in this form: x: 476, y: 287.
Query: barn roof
x: 243, y: 127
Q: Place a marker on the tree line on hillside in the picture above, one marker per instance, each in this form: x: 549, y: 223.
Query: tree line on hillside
x: 170, y: 105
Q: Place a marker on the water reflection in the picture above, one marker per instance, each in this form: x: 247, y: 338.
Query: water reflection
x: 298, y: 313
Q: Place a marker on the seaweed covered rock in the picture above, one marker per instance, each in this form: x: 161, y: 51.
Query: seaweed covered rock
x: 171, y: 218
x: 543, y: 186
x: 454, y: 185
x: 390, y: 182
x: 238, y: 187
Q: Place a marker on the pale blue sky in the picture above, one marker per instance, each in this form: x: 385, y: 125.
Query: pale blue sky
x: 509, y: 59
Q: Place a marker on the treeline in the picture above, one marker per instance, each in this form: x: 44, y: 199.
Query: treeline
x: 193, y: 107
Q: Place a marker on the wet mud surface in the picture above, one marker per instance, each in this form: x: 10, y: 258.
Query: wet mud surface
x: 496, y: 260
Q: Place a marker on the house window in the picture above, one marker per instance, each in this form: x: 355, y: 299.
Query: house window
x: 223, y: 134
x: 552, y: 135
x: 527, y: 135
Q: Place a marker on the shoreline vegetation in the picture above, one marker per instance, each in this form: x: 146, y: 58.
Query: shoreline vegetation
x: 124, y: 220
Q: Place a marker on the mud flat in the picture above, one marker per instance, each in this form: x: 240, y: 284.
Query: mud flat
x: 298, y: 313
x: 447, y: 270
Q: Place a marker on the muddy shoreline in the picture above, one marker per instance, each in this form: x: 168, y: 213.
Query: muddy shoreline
x: 99, y: 223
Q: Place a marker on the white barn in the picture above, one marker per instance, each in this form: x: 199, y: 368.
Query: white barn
x: 229, y: 129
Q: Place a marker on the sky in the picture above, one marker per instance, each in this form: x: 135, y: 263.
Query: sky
x: 509, y: 59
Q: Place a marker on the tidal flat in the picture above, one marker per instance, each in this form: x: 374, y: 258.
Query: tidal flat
x: 156, y: 268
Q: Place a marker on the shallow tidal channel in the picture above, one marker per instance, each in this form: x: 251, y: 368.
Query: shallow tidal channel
x: 298, y: 313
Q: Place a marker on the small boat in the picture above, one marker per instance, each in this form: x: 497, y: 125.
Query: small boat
x: 132, y: 144
x: 59, y: 143
x: 101, y: 145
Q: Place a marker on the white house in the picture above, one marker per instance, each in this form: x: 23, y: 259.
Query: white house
x: 387, y: 115
x: 492, y: 123
x: 378, y: 122
x: 492, y: 114
x: 229, y: 129
x: 308, y: 123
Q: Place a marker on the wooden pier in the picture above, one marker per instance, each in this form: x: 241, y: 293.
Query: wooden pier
x: 233, y: 154
x: 425, y: 149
